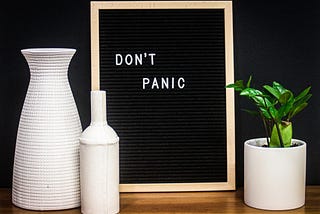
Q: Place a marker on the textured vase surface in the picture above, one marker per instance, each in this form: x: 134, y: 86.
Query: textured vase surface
x: 46, y: 163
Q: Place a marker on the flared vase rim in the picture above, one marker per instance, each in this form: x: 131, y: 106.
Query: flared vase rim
x: 48, y: 50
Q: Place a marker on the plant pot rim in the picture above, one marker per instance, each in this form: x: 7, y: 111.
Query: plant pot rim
x: 249, y: 143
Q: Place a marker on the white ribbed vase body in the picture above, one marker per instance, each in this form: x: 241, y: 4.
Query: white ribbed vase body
x: 46, y: 164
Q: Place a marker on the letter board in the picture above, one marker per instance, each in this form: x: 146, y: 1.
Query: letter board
x: 164, y: 66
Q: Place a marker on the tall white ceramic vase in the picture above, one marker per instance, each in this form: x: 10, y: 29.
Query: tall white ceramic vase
x: 99, y: 158
x: 46, y: 163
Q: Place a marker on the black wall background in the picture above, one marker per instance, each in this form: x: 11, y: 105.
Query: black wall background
x: 273, y: 40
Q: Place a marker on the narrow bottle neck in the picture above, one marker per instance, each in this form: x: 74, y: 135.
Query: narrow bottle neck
x: 98, y: 108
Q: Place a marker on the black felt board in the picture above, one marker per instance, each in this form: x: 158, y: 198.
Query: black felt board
x: 168, y: 133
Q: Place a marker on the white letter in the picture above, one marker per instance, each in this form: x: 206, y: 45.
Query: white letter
x: 117, y: 57
x: 128, y: 56
x: 172, y: 83
x: 181, y: 86
x: 145, y: 81
x: 155, y: 83
x: 138, y: 59
x: 164, y: 82
x: 151, y: 57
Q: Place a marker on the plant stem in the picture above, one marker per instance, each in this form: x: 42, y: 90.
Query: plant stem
x: 266, y: 126
x: 279, y: 134
x: 266, y: 130
x: 276, y: 124
x: 270, y: 125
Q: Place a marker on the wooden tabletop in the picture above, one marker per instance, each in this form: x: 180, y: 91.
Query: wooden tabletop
x: 189, y: 202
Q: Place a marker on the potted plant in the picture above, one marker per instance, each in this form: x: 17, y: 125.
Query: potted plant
x: 274, y: 166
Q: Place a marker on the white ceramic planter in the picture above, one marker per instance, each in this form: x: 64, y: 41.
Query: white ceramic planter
x: 274, y: 178
x: 46, y: 164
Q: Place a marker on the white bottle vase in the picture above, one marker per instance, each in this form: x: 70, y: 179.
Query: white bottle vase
x: 99, y: 162
x: 46, y: 164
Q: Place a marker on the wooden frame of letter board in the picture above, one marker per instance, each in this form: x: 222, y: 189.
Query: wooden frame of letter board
x: 229, y: 77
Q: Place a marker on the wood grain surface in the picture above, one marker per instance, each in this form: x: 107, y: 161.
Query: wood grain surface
x: 187, y: 202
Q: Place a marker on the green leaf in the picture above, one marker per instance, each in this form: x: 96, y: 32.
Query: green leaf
x: 250, y: 92
x: 252, y: 112
x: 259, y: 101
x: 265, y: 113
x: 302, y: 100
x: 272, y: 91
x: 249, y: 82
x: 297, y: 105
x: 303, y: 93
x: 278, y: 87
x: 284, y: 110
x: 274, y: 113
x: 234, y: 86
x: 238, y: 85
x: 262, y: 101
x: 298, y: 109
x: 285, y: 97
